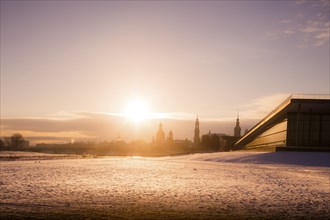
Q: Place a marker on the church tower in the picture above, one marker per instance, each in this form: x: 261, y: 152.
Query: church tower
x: 160, y: 136
x: 170, y: 138
x: 196, y: 136
x: 237, y: 129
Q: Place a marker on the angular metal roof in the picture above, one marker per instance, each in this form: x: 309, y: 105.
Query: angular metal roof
x: 294, y: 103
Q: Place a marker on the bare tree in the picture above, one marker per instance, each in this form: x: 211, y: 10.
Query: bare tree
x: 7, y: 141
x: 17, y: 140
x: 2, y: 144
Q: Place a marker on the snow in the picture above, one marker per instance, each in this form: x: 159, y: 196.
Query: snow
x: 233, y: 185
x: 293, y: 158
x: 20, y: 155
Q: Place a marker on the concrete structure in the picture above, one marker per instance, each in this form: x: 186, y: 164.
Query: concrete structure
x: 300, y: 121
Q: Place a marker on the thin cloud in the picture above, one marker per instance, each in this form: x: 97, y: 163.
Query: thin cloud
x: 299, y: 2
x: 175, y: 115
x: 90, y: 125
x: 107, y: 126
x: 286, y: 21
x: 154, y: 115
x: 260, y: 107
x: 309, y: 29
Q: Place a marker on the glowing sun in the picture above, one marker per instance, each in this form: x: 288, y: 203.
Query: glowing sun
x: 137, y: 110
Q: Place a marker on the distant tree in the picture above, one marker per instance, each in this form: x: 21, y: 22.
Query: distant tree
x: 17, y: 140
x: 205, y: 140
x: 2, y: 144
x: 7, y: 141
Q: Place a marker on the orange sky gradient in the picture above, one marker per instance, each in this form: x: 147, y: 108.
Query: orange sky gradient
x: 70, y: 68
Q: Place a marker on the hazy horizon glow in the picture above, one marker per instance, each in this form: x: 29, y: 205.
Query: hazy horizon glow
x: 73, y: 60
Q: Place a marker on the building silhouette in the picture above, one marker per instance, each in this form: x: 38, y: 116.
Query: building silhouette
x: 196, y: 134
x: 160, y: 136
x: 211, y: 141
x: 170, y: 138
x: 237, y: 129
x: 299, y: 122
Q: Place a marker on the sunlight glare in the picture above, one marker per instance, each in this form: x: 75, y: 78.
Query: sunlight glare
x: 137, y: 110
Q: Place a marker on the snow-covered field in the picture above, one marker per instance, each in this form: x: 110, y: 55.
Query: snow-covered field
x: 233, y: 185
x: 21, y: 155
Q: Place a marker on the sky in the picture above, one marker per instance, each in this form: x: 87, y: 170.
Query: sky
x: 70, y: 68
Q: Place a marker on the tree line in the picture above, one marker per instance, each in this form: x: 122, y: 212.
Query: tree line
x: 16, y: 141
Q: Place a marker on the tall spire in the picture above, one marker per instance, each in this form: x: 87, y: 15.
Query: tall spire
x: 197, y: 123
x: 160, y: 136
x: 237, y: 120
x: 237, y: 129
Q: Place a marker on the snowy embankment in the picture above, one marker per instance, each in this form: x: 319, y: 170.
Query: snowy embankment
x: 21, y: 155
x: 284, y: 158
x: 233, y: 185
